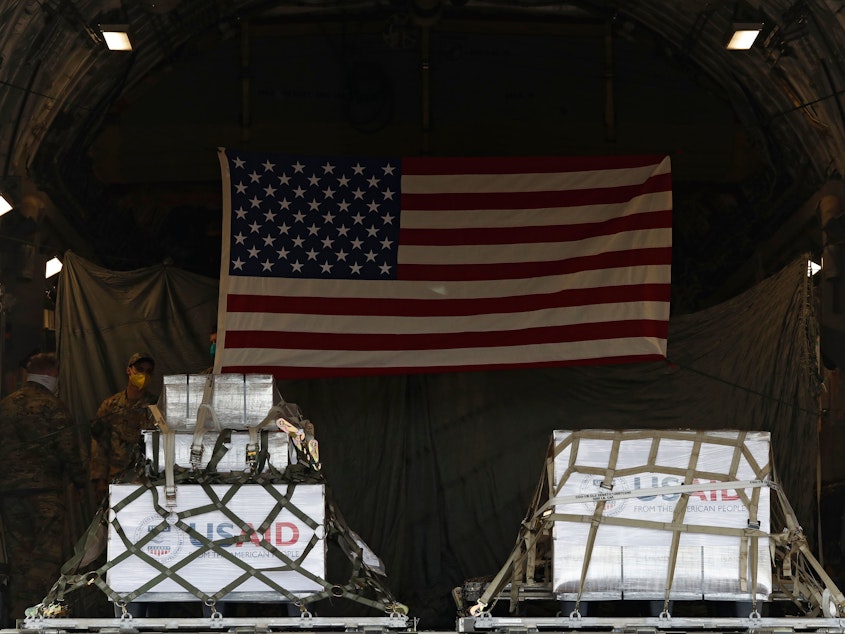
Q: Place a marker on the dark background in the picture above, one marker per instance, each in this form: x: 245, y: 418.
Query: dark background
x: 113, y: 155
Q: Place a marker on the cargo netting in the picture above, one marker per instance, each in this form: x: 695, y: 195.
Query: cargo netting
x: 659, y: 515
x: 222, y: 508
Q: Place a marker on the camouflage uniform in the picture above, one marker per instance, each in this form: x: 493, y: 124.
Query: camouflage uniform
x: 39, y: 452
x: 116, y: 442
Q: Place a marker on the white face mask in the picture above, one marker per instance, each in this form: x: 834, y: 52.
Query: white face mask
x: 50, y: 382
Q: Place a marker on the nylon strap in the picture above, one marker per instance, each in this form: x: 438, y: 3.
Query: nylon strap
x: 678, y: 520
x: 607, y: 485
x: 204, y: 410
x: 622, y: 494
x: 169, y: 441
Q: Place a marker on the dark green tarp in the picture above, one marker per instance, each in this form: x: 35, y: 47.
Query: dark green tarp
x: 436, y: 471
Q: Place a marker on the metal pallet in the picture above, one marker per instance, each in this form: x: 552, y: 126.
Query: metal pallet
x: 242, y: 625
x: 649, y: 625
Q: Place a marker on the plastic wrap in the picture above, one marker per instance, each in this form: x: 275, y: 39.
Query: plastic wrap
x: 633, y: 562
x: 233, y: 460
x: 238, y: 401
x: 287, y: 534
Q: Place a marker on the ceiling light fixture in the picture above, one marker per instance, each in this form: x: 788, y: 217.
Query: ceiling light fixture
x: 5, y: 205
x: 53, y: 266
x: 116, y: 36
x: 744, y: 34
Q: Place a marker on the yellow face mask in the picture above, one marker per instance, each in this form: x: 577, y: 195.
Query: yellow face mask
x: 139, y: 380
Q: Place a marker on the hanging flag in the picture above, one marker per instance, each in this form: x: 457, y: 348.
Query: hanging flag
x: 338, y: 266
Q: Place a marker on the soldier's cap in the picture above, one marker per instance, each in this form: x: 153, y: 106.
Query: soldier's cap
x: 138, y: 357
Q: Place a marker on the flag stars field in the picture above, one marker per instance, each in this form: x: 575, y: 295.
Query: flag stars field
x: 315, y: 200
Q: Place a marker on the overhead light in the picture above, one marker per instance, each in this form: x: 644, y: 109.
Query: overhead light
x: 53, y: 266
x: 5, y: 205
x: 744, y: 35
x: 116, y: 36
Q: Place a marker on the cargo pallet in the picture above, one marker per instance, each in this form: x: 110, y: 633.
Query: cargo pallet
x: 250, y: 467
x: 649, y: 625
x: 533, y: 572
x: 242, y: 625
x: 465, y: 625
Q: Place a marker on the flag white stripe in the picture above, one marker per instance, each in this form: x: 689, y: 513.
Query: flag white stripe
x: 554, y: 181
x: 552, y: 216
x: 536, y: 353
x: 538, y: 252
x: 356, y: 289
x: 490, y: 322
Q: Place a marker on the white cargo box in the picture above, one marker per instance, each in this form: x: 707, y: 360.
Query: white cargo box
x: 180, y: 554
x: 630, y: 562
x: 242, y: 400
x: 180, y: 398
x: 235, y: 458
x: 238, y: 400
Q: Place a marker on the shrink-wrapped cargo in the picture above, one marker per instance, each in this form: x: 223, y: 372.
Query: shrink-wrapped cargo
x: 242, y: 400
x: 231, y: 457
x: 626, y: 548
x: 202, y: 544
x: 181, y: 396
x: 231, y: 401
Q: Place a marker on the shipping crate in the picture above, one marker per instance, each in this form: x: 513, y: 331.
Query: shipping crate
x: 194, y: 546
x: 235, y: 458
x: 641, y: 528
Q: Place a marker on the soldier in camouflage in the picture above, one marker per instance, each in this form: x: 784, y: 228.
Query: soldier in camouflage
x: 40, y: 453
x: 116, y: 440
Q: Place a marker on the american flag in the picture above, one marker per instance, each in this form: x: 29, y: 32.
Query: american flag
x: 339, y: 266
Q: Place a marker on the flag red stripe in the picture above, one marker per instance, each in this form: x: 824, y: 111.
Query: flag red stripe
x: 432, y: 166
x: 535, y: 200
x: 376, y: 306
x: 524, y: 270
x: 305, y: 372
x: 528, y: 234
x: 447, y: 340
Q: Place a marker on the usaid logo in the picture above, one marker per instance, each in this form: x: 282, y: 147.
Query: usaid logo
x: 591, y: 486
x: 278, y: 534
x: 166, y: 545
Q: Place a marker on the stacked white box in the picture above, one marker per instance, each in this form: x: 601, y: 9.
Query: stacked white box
x: 242, y: 400
x: 237, y: 400
x: 631, y: 562
x: 213, y: 570
x: 180, y: 398
x: 234, y: 459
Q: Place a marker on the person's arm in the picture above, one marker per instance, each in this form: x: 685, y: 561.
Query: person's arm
x: 100, y: 450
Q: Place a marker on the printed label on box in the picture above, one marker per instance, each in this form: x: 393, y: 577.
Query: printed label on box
x: 205, y: 546
x: 634, y: 560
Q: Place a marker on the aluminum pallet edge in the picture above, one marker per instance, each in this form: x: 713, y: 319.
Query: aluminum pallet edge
x: 261, y: 625
x: 649, y: 625
x: 465, y: 625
